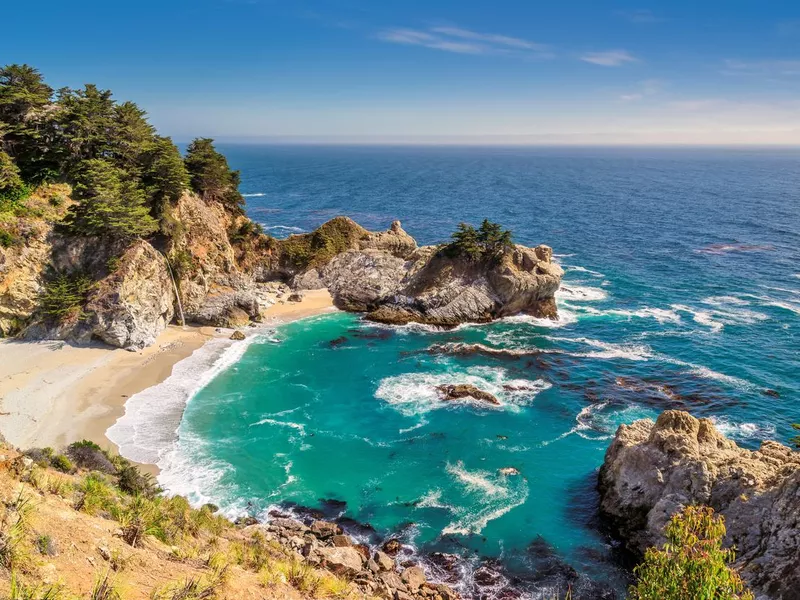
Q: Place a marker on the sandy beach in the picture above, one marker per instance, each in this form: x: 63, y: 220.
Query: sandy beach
x: 53, y: 393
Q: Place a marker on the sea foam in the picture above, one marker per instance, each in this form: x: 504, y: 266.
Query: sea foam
x: 148, y: 429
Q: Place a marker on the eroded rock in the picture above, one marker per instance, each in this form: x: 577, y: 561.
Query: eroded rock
x: 651, y: 470
x: 459, y: 391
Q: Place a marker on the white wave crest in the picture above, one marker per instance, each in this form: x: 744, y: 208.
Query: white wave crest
x: 707, y: 373
x: 724, y: 300
x: 659, y: 314
x: 256, y: 195
x: 717, y: 318
x: 582, y: 270
x: 565, y: 317
x: 148, y: 429
x: 581, y: 293
x: 743, y: 431
x: 494, y: 494
x: 284, y: 228
x: 415, y: 393
x: 638, y: 352
x: 785, y: 306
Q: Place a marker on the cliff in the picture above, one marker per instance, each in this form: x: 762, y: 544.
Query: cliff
x: 67, y: 531
x: 122, y: 293
x: 651, y: 470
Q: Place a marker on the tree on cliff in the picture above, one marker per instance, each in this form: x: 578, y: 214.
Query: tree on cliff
x: 110, y: 203
x: 210, y: 175
x: 490, y: 240
x: 692, y: 564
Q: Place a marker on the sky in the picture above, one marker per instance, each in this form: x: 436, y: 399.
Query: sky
x: 432, y: 71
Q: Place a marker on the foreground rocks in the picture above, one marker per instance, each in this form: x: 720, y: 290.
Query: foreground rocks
x: 374, y: 572
x: 651, y: 470
x: 392, y: 280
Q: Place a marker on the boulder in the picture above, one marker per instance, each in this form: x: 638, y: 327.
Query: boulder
x: 413, y: 577
x: 652, y: 470
x: 464, y: 390
x: 325, y: 529
x: 342, y: 560
x: 238, y: 336
x: 384, y: 561
x: 391, y: 547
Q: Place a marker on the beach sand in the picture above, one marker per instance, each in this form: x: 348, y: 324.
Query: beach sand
x: 53, y: 393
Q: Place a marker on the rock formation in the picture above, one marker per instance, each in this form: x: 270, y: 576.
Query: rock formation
x: 392, y: 280
x: 465, y: 390
x: 651, y: 470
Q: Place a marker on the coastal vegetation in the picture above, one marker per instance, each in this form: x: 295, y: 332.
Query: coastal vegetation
x: 125, y: 177
x: 692, y: 564
x: 488, y: 242
x: 795, y: 440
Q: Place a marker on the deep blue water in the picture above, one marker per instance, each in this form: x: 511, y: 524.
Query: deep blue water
x: 682, y: 290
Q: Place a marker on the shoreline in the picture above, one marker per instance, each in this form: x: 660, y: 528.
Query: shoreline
x: 53, y: 393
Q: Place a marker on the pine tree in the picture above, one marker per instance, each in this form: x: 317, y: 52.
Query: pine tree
x: 210, y: 175
x: 465, y: 242
x: 109, y: 203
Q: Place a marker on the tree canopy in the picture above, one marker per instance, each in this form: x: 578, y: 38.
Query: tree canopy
x: 125, y: 176
x: 489, y: 241
x: 210, y: 175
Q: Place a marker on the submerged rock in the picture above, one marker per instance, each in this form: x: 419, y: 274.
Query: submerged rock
x: 459, y: 391
x: 651, y: 470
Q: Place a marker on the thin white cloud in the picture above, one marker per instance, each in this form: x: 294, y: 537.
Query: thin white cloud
x: 790, y: 68
x: 697, y: 104
x: 648, y: 87
x: 464, y: 41
x: 500, y: 40
x: 609, y: 58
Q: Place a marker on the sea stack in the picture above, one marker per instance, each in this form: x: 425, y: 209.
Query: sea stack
x: 652, y: 470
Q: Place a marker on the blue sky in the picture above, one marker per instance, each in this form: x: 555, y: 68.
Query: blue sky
x: 437, y: 70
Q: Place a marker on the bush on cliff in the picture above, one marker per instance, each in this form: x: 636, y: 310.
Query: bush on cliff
x: 795, y: 441
x: 489, y: 241
x: 692, y: 564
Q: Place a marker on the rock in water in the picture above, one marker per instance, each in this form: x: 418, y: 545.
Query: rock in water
x: 456, y: 392
x: 238, y: 336
x: 651, y: 470
x: 392, y: 280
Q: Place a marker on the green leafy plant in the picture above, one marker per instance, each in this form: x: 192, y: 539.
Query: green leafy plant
x: 795, y: 441
x: 95, y: 494
x: 21, y: 591
x: 7, y: 239
x: 692, y: 564
x: 61, y: 463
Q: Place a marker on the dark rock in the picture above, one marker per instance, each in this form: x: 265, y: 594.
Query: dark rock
x: 392, y: 547
x: 456, y: 392
x: 238, y: 336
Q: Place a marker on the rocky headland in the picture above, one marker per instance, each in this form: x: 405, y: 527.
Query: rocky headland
x: 651, y: 470
x: 225, y: 278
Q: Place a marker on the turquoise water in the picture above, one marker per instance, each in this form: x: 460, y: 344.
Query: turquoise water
x: 682, y: 290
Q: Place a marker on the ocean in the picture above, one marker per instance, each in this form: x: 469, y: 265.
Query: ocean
x: 682, y: 290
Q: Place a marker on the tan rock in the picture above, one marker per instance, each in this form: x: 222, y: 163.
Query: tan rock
x: 651, y: 470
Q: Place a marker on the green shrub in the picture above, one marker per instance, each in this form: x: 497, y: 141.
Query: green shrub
x: 7, y: 239
x: 112, y: 264
x: 105, y: 588
x: 132, y: 481
x: 95, y: 495
x: 489, y: 241
x: 46, y: 545
x: 692, y: 564
x: 319, y: 247
x: 795, y: 441
x: 21, y: 591
x: 88, y: 455
x: 64, y: 294
x: 57, y: 200
x: 61, y: 463
x: 140, y: 518
x: 182, y: 263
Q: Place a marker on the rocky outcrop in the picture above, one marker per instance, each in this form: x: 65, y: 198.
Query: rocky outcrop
x: 465, y: 390
x: 21, y: 266
x: 127, y: 307
x: 393, y: 281
x: 651, y: 470
x: 375, y: 573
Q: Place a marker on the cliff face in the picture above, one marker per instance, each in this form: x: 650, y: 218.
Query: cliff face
x: 651, y: 470
x: 393, y: 281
